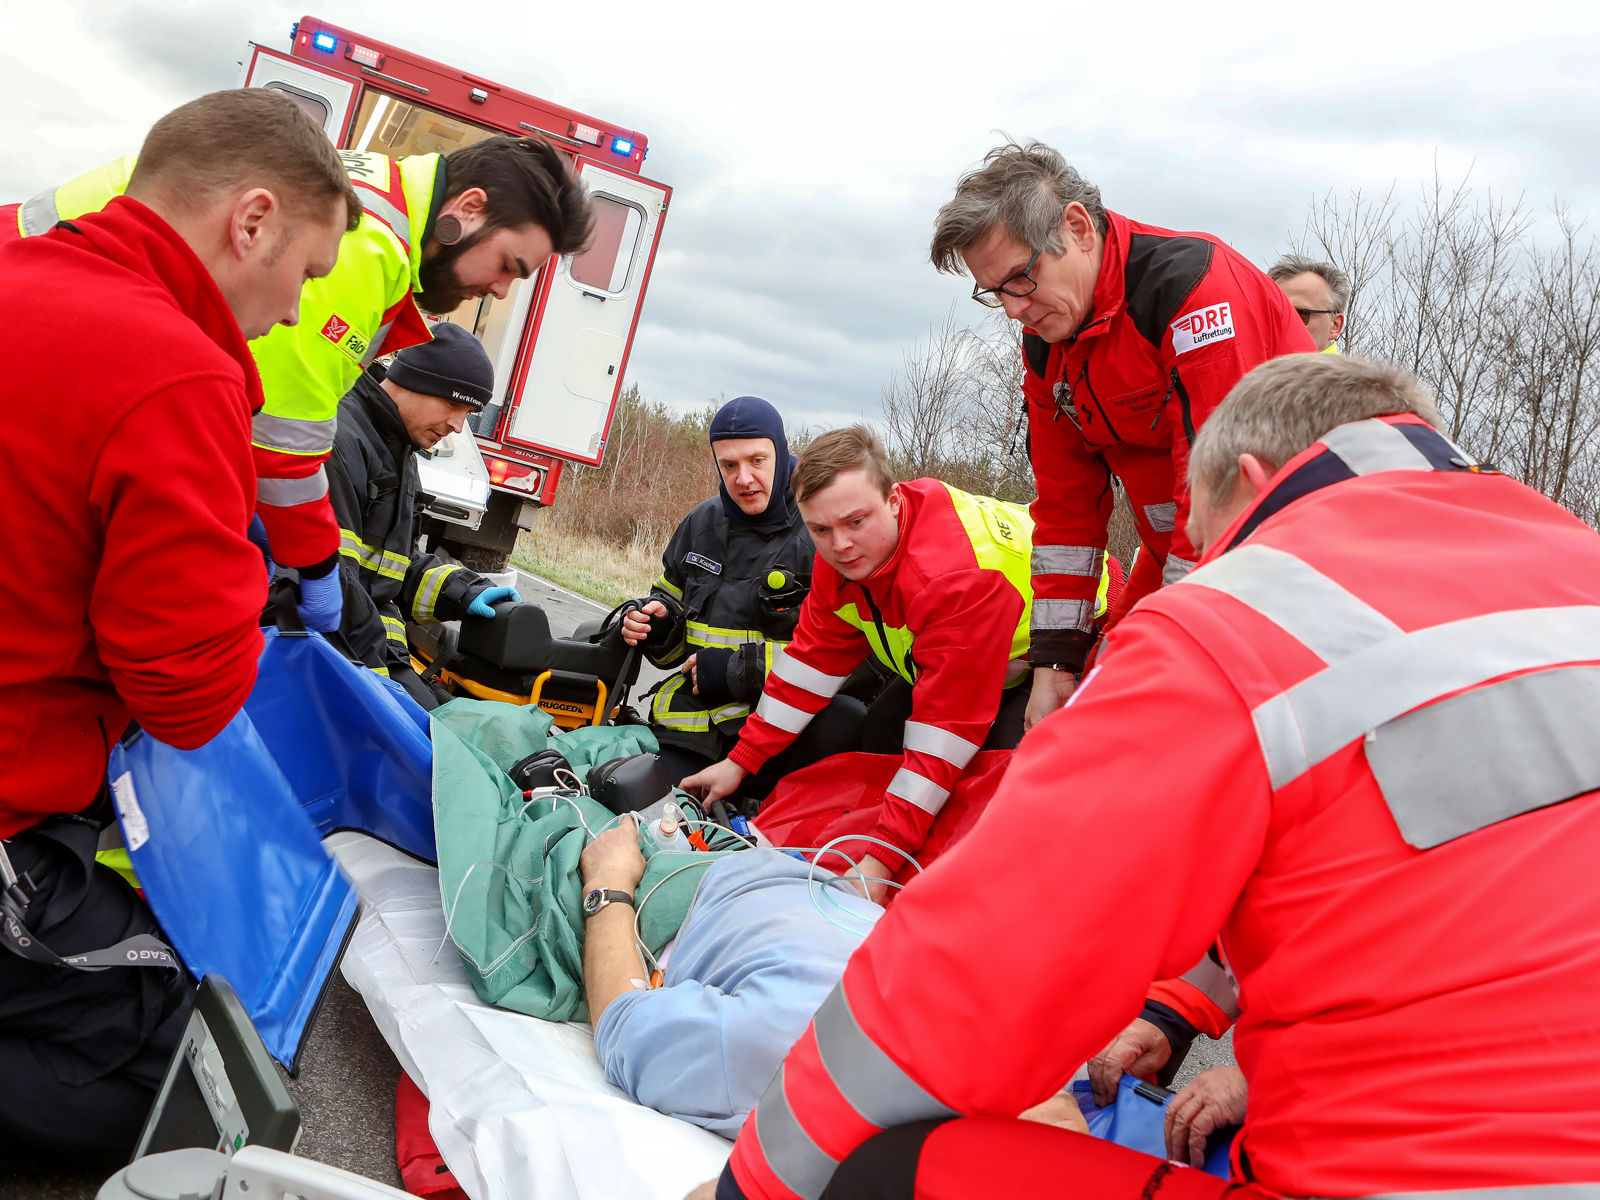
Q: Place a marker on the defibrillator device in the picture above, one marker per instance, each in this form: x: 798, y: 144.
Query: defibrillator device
x: 221, y: 1090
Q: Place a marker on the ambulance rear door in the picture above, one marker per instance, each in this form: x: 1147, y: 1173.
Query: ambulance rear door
x: 328, y: 96
x: 569, y: 374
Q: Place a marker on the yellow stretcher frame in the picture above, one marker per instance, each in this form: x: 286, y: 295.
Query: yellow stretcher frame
x: 567, y: 714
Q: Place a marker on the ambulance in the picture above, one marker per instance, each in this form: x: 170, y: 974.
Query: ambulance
x: 560, y: 339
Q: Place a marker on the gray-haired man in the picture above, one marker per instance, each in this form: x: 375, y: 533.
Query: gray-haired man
x: 1319, y: 292
x: 1132, y: 335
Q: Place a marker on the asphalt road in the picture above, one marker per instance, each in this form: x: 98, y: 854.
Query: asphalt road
x: 347, y: 1079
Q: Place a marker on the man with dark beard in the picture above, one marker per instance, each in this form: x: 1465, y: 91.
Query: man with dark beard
x: 437, y: 230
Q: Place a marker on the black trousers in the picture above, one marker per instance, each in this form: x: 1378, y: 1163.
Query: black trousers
x: 834, y: 730
x: 82, y: 1053
x: 885, y: 731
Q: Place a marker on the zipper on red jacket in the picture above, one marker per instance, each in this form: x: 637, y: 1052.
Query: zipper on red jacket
x: 1083, y: 382
x: 1176, y: 385
x: 906, y: 667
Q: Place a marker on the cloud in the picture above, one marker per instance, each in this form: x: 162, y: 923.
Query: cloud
x: 808, y: 149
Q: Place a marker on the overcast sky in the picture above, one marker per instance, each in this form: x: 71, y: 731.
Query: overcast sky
x: 810, y: 145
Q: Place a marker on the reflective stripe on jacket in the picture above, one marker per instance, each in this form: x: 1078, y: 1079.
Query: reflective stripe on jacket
x: 1177, y: 318
x: 1393, y: 778
x: 361, y: 309
x: 948, y: 612
x: 727, y: 588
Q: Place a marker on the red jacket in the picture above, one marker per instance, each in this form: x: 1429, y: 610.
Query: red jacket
x: 127, y: 586
x: 1177, y: 319
x: 1414, y: 1019
x: 942, y: 614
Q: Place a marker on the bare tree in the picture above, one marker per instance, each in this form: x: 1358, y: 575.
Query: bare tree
x: 1502, y: 330
x: 924, y: 402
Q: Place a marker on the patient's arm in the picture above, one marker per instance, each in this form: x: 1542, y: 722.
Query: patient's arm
x: 611, y: 959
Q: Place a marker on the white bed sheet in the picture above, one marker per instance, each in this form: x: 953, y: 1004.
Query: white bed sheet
x: 520, y: 1108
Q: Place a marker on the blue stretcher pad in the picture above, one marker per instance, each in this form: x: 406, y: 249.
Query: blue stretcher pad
x: 227, y: 839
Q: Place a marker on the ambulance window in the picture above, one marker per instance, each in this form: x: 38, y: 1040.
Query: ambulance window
x: 316, y: 107
x: 389, y: 125
x: 605, y: 264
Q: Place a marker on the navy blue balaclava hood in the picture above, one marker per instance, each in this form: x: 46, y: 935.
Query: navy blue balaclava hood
x: 753, y: 417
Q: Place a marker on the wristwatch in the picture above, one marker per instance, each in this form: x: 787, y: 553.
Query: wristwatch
x: 597, y: 898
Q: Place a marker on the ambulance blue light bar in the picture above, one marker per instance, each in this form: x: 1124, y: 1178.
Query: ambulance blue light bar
x: 325, y: 42
x: 621, y: 146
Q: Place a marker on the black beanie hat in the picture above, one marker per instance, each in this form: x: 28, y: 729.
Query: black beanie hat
x: 454, y: 366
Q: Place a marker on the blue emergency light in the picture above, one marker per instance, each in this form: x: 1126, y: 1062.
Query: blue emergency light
x: 621, y: 146
x: 325, y: 42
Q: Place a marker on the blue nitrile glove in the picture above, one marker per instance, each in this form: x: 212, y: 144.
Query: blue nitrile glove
x: 257, y: 533
x: 482, y: 603
x: 322, y: 602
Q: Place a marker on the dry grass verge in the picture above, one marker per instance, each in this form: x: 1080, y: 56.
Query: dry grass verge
x: 591, y: 566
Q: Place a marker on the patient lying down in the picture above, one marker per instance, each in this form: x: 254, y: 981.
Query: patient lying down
x: 758, y: 952
x: 751, y: 963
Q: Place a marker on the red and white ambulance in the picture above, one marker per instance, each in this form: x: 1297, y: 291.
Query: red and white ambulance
x: 560, y: 339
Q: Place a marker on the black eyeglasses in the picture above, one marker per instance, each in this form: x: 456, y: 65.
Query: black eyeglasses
x: 995, y: 297
x: 1307, y: 313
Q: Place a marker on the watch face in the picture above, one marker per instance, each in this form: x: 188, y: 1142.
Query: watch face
x: 593, y: 901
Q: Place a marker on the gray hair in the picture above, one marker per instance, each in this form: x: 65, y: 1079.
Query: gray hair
x: 1021, y: 186
x: 1338, y: 282
x: 1288, y: 404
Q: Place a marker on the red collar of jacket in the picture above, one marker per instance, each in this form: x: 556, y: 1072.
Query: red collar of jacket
x: 884, y: 575
x: 132, y: 235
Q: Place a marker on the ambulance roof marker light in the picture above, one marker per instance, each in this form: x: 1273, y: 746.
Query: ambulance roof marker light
x: 326, y: 42
x: 621, y: 146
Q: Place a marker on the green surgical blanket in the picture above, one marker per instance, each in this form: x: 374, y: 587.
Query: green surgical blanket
x: 508, y: 868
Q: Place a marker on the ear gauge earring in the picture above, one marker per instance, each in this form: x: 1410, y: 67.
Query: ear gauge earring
x: 447, y: 229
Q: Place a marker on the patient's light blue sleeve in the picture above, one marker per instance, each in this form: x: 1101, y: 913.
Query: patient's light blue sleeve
x: 664, y: 1049
x: 752, y: 962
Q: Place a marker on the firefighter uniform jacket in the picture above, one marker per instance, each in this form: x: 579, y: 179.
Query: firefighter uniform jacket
x: 373, y: 488
x: 948, y: 613
x: 359, y: 310
x: 1177, y: 318
x: 1390, y: 781
x: 727, y: 588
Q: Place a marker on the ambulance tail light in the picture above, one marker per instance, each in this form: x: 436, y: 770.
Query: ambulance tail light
x: 505, y: 473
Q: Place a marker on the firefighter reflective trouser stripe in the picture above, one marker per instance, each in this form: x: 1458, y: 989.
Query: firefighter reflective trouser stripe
x: 372, y: 558
x: 428, y: 588
x: 878, y: 1092
x: 1494, y: 751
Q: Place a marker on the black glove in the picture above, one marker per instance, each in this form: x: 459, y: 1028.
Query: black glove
x: 711, y: 675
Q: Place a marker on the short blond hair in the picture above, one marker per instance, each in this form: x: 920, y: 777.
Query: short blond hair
x: 1288, y: 404
x: 829, y: 455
